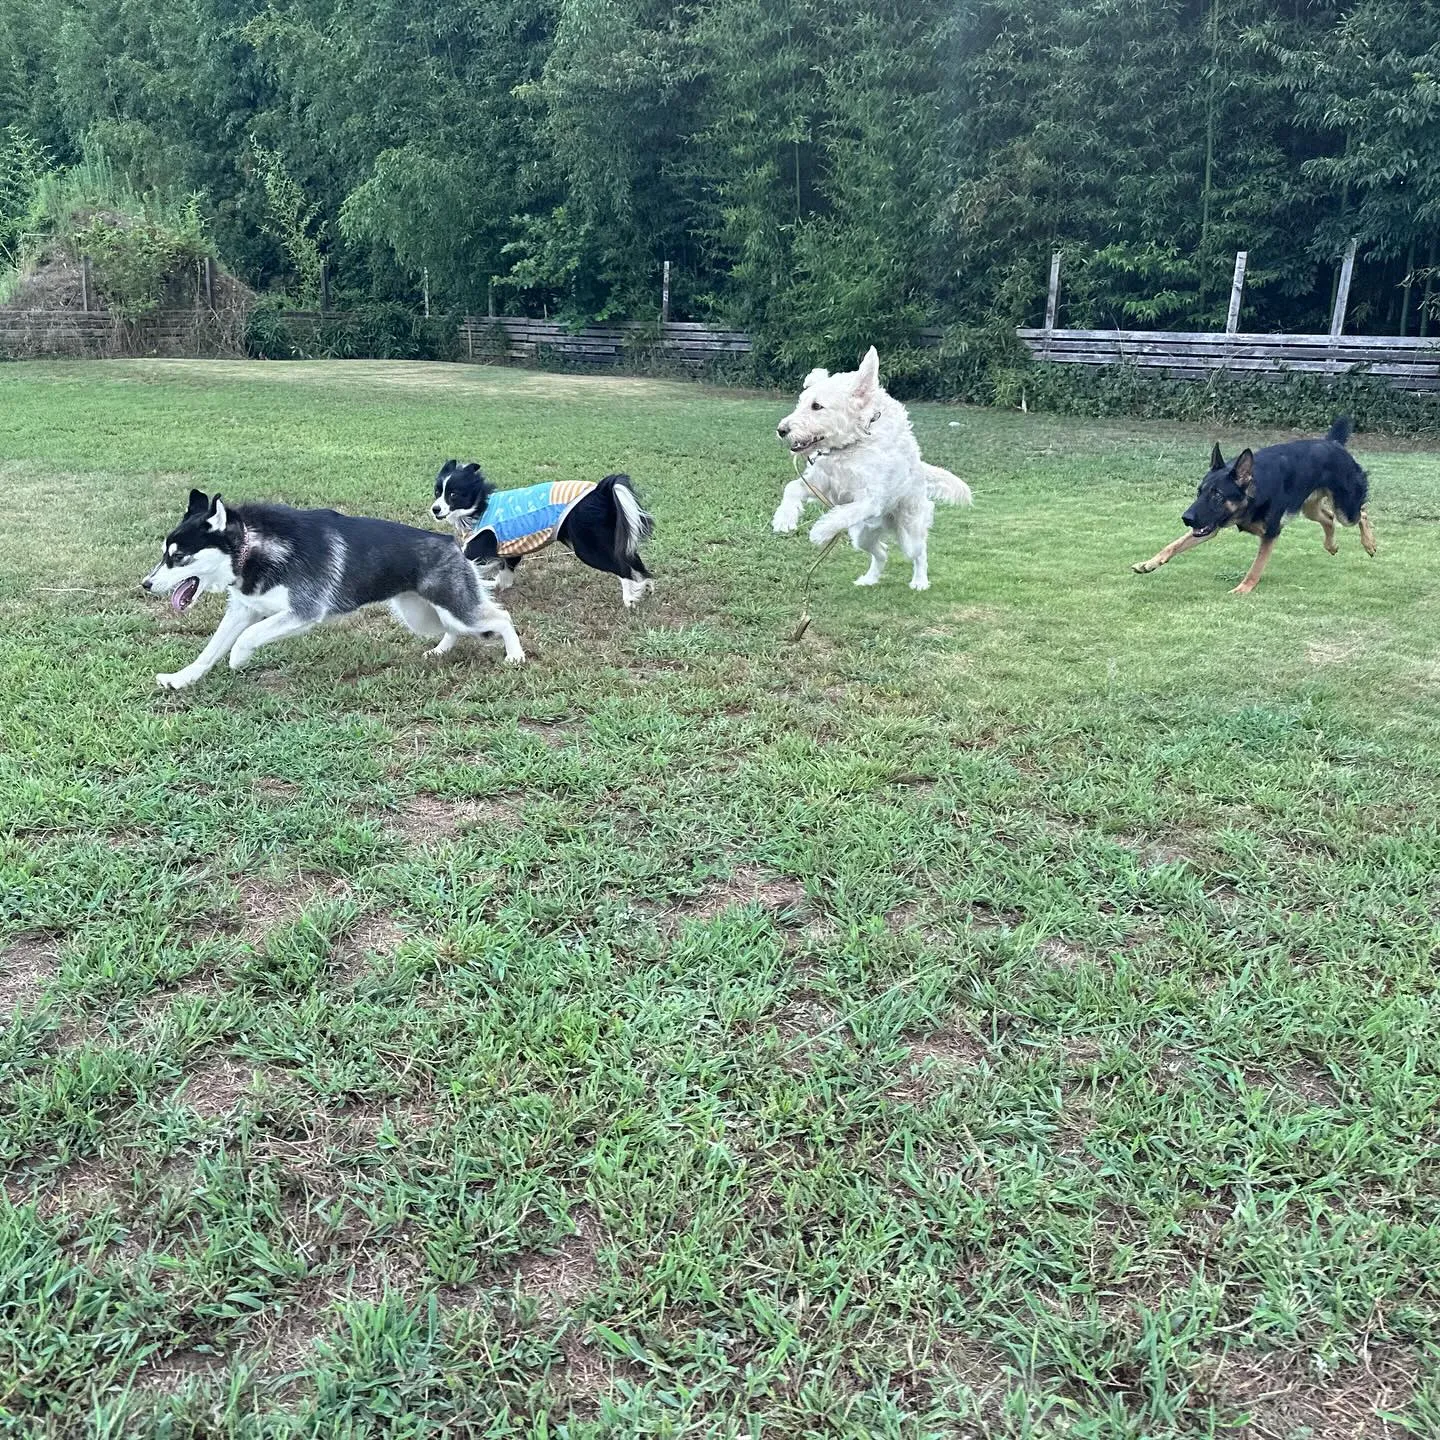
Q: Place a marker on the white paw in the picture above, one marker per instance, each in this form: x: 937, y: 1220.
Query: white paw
x: 868, y: 579
x: 919, y: 583
x: 178, y: 681
x: 516, y: 657
x: 819, y: 535
x: 504, y: 578
x: 240, y: 658
x: 785, y: 521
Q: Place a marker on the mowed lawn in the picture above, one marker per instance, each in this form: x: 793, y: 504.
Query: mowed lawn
x: 1008, y: 1012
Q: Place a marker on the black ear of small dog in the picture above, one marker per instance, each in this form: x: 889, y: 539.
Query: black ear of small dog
x: 1217, y: 460
x: 199, y: 504
x: 448, y: 466
x: 1244, y: 470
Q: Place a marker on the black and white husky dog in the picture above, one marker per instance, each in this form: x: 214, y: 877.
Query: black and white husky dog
x: 602, y: 524
x: 284, y: 571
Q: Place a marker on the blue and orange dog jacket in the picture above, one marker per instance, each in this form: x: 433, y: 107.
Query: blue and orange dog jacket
x: 528, y: 519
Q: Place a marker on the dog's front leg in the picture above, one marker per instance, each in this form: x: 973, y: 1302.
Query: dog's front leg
x: 1186, y: 542
x: 266, y: 632
x: 1257, y: 569
x: 236, y: 619
x: 791, y: 507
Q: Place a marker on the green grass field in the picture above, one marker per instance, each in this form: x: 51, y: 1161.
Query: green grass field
x: 1008, y: 1012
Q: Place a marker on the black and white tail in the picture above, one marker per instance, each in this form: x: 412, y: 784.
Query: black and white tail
x: 632, y: 524
x: 1339, y: 432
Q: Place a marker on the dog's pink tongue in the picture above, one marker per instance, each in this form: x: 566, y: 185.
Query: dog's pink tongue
x: 183, y: 594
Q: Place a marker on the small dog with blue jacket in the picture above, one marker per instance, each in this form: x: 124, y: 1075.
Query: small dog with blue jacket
x: 601, y: 524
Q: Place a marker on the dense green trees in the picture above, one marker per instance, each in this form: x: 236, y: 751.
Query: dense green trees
x: 823, y: 174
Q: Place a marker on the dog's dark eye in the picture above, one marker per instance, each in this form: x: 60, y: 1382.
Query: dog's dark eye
x: 816, y: 405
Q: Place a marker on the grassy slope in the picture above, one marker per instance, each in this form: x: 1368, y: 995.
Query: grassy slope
x: 1009, y: 1011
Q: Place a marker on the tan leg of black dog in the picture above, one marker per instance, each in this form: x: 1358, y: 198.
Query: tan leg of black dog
x: 1367, y: 534
x: 1256, y: 570
x: 1174, y: 548
x: 1320, y: 509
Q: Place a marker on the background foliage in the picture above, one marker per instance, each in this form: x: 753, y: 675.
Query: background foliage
x: 823, y: 175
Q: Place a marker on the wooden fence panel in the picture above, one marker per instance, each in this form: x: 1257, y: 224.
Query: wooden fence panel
x: 1404, y: 362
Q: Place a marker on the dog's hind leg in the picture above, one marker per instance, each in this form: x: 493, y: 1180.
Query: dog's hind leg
x: 914, y: 535
x: 1176, y: 547
x: 1252, y: 579
x: 1319, y: 509
x: 871, y: 542
x: 489, y: 623
x: 418, y: 616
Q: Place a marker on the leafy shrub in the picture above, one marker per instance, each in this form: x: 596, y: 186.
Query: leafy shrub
x: 136, y: 258
x: 1291, y: 399
x: 267, y: 335
x: 378, y: 331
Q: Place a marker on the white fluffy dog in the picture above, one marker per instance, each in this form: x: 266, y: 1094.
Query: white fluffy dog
x: 863, y: 459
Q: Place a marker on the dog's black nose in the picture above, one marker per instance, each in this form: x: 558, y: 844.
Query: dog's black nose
x: 783, y: 429
x: 147, y: 583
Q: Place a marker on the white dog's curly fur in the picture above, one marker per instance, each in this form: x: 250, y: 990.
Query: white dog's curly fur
x: 864, y: 460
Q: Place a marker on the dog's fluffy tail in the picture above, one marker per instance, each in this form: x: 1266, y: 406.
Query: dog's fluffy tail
x: 942, y: 485
x: 1340, y: 430
x: 632, y: 524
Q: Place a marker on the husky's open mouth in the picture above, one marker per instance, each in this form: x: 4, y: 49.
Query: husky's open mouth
x: 182, y: 597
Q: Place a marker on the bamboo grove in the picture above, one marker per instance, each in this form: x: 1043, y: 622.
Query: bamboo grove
x: 823, y: 174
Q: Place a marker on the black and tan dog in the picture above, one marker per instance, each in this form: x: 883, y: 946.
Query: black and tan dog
x: 1259, y: 492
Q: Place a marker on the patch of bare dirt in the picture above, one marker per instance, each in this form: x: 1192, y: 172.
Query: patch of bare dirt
x: 283, y: 1344
x: 279, y: 791
x: 26, y: 963
x: 935, y: 1061
x: 804, y: 1024
x: 1336, y: 651
x: 746, y: 885
x: 986, y: 920
x: 262, y: 906
x: 424, y: 819
x: 168, y: 1374
x: 1061, y: 952
x: 1153, y: 853
x: 1081, y: 1051
x: 84, y: 1188
x: 217, y: 1087
x: 370, y: 938
x: 591, y: 1373
x: 554, y: 733
x: 566, y: 1275
x: 1311, y: 1084
x: 1279, y: 1397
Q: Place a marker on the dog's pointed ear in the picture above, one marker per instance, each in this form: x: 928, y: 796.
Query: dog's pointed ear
x: 199, y: 504
x: 218, y: 517
x: 818, y: 374
x: 448, y: 466
x: 867, y: 378
x: 1244, y: 471
x: 1217, y: 460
